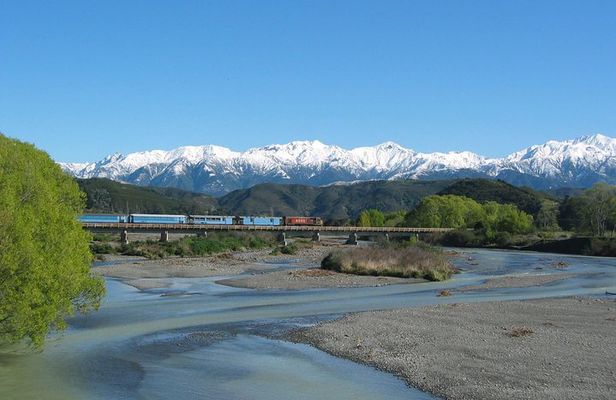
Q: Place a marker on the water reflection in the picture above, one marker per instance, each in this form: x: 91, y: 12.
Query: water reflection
x: 216, y: 342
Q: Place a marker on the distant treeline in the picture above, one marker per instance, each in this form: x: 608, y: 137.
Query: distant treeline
x: 337, y: 204
x: 591, y: 214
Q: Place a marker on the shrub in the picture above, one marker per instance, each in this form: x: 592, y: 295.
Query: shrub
x: 403, y: 262
x: 461, y: 238
x: 289, y: 249
x: 195, y: 246
x: 101, y: 248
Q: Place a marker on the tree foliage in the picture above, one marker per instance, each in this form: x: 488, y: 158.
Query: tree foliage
x: 371, y: 217
x: 44, y: 254
x: 547, y: 216
x: 593, y: 212
x: 459, y: 212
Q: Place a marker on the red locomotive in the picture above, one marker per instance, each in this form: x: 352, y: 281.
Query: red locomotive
x: 313, y: 221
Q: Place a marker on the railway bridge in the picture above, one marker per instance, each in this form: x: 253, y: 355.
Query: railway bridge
x: 124, y: 229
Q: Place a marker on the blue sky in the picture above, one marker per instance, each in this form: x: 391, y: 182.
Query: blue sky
x: 82, y: 79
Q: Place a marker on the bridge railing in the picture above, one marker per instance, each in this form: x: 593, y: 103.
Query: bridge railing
x: 279, y: 228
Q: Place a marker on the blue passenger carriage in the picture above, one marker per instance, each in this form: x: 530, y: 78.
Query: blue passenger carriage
x: 210, y: 219
x: 102, y: 218
x: 157, y: 219
x: 262, y: 221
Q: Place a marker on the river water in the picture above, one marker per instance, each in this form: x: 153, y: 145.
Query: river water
x: 200, y: 340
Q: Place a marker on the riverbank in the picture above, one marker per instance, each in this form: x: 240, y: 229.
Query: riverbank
x: 313, y: 278
x: 583, y: 246
x: 145, y: 274
x: 540, y: 349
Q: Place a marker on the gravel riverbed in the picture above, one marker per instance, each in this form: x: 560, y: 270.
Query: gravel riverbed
x: 147, y: 274
x: 539, y: 349
x: 310, y: 279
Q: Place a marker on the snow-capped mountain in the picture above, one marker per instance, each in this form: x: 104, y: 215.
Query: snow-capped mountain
x: 218, y: 170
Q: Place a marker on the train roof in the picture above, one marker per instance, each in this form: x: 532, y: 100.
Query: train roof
x: 210, y: 216
x: 159, y: 215
x: 103, y: 215
x: 258, y: 216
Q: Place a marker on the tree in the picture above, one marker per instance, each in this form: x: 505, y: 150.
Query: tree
x: 395, y: 218
x: 459, y: 212
x: 447, y: 211
x: 547, y: 216
x: 101, y: 200
x: 600, y: 206
x: 594, y: 211
x: 371, y: 217
x: 511, y: 220
x: 44, y: 253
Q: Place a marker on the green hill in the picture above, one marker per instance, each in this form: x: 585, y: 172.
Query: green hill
x: 107, y: 196
x: 483, y: 190
x: 337, y: 204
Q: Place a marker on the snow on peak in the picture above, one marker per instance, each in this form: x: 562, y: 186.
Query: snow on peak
x: 218, y: 169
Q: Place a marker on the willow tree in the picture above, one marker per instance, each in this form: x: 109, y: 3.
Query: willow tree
x: 44, y: 254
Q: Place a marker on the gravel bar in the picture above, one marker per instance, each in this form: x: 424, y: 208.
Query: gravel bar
x: 539, y: 349
x: 311, y: 279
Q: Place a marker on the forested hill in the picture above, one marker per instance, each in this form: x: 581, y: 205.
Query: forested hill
x: 336, y: 203
x: 107, y: 196
x: 483, y: 190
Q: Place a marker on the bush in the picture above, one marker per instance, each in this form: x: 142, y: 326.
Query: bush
x: 101, y: 248
x: 289, y: 249
x: 103, y: 237
x: 196, y: 246
x: 461, y: 238
x: 503, y: 239
x: 396, y: 261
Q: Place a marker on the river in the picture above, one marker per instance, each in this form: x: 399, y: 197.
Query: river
x: 200, y: 340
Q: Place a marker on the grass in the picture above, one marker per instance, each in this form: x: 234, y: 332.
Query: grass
x: 188, y: 246
x: 289, y: 249
x: 412, y: 261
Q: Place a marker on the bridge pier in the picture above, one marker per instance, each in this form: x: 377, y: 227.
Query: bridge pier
x: 352, y: 239
x: 316, y: 236
x: 282, y: 238
x: 124, y: 237
x: 164, y: 236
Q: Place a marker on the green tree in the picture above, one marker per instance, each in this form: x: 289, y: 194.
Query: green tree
x: 511, y: 220
x: 600, y: 207
x: 44, y: 253
x: 547, y: 216
x: 594, y: 211
x: 447, y: 211
x: 459, y: 212
x: 395, y: 218
x: 371, y: 217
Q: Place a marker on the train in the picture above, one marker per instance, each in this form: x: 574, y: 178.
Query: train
x: 201, y: 219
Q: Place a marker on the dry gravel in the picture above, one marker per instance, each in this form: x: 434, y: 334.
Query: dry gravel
x: 149, y: 274
x: 310, y: 279
x: 516, y: 282
x: 540, y: 349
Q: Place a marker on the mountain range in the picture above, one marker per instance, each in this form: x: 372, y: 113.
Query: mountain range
x: 218, y: 170
x: 336, y: 204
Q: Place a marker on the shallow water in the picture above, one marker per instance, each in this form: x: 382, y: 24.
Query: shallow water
x: 215, y: 342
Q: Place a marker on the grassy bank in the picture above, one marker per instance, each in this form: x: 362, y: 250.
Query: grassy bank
x: 397, y: 261
x: 587, y: 246
x: 187, y: 246
x: 561, y: 242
